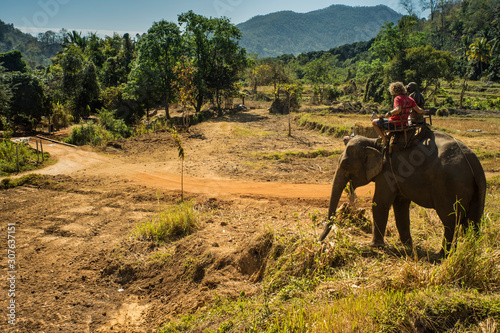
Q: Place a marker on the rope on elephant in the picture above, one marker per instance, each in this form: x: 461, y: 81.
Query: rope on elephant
x: 463, y: 153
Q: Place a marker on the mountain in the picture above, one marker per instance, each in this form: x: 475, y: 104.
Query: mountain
x: 288, y: 32
x: 35, y: 53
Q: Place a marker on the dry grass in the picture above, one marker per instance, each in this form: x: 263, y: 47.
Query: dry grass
x: 345, y: 286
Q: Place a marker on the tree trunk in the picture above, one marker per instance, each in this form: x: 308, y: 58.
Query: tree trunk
x: 464, y: 87
x: 167, y: 105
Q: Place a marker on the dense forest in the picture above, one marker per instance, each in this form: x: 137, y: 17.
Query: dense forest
x: 198, y: 62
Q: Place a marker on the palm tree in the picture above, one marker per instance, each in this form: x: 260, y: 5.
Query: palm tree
x: 480, y: 52
x: 75, y: 37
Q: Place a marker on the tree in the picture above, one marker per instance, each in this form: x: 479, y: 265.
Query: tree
x: 5, y: 95
x: 408, y: 6
x: 429, y: 4
x: 94, y: 50
x: 228, y: 60
x: 74, y: 37
x: 71, y: 62
x: 141, y: 86
x: 87, y: 92
x: 319, y: 73
x: 13, y: 61
x: 28, y: 102
x: 387, y: 44
x: 216, y: 55
x: 278, y: 76
x: 184, y: 73
x: 259, y: 75
x: 480, y: 52
x: 393, y: 40
x: 158, y: 52
x: 419, y: 65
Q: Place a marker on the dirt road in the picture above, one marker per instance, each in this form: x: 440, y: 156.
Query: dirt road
x: 86, y: 162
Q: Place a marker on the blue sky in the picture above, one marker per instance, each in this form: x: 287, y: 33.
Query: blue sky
x: 106, y: 16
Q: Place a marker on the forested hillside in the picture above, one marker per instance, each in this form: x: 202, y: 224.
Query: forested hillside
x: 198, y: 62
x: 293, y: 33
x: 35, y: 52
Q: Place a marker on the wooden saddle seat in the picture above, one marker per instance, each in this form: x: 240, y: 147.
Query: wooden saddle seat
x: 403, y: 136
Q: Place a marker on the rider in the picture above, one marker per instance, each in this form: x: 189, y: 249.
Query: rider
x: 413, y: 92
x: 398, y: 116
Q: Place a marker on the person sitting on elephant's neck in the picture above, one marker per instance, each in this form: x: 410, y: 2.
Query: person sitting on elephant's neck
x: 398, y: 116
x: 413, y: 92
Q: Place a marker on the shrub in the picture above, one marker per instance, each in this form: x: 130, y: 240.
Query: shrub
x: 61, y: 118
x: 332, y: 94
x: 116, y: 126
x: 443, y: 113
x: 88, y: 134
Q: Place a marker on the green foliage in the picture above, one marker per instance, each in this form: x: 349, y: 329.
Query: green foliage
x: 476, y: 103
x: 5, y: 95
x: 217, y: 56
x: 319, y: 73
x: 88, y: 134
x: 116, y: 126
x: 8, y: 157
x: 158, y: 53
x: 28, y: 102
x: 420, y: 64
x: 61, y: 117
x: 13, y: 61
x: 169, y: 224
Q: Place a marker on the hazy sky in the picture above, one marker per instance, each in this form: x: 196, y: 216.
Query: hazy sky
x: 106, y: 16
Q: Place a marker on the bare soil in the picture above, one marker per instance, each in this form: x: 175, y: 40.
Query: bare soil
x: 79, y: 269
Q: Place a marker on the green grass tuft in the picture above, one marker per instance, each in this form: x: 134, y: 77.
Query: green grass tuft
x: 32, y: 178
x: 169, y: 224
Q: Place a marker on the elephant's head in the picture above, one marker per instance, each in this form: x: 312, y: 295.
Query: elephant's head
x: 360, y: 163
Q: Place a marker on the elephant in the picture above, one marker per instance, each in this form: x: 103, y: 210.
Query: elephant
x: 435, y: 171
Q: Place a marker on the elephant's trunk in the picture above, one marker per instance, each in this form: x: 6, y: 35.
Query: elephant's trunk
x: 339, y: 184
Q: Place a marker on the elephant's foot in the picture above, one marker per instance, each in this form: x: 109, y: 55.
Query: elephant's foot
x: 377, y: 244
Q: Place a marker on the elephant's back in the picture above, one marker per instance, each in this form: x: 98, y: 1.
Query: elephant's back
x: 461, y: 168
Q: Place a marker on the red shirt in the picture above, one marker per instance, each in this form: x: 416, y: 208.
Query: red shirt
x: 406, y: 103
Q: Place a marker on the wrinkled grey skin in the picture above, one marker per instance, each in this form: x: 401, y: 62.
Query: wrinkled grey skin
x: 436, y: 173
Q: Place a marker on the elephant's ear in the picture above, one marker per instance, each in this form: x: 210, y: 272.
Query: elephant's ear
x: 373, y: 163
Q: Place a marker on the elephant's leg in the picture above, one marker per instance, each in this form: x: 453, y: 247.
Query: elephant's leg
x: 380, y: 216
x: 450, y: 221
x: 401, y: 208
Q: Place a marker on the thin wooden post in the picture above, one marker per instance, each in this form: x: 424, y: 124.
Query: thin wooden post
x: 182, y: 180
x: 37, y: 153
x: 41, y: 148
x: 17, y: 154
x: 289, y: 115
